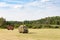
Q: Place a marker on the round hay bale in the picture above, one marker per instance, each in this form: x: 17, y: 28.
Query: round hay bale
x: 10, y: 27
x: 23, y: 29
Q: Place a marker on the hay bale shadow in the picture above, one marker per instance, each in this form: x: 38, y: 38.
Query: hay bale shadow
x: 32, y: 33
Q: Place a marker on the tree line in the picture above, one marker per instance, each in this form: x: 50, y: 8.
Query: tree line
x: 48, y: 22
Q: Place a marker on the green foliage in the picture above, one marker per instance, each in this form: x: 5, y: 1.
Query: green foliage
x: 48, y: 22
x: 34, y: 27
x: 44, y: 22
x: 2, y: 21
x: 15, y: 23
x: 29, y: 25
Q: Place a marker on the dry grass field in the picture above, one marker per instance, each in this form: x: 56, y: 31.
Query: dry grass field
x: 34, y: 34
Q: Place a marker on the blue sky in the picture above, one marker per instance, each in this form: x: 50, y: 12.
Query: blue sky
x: 20, y: 10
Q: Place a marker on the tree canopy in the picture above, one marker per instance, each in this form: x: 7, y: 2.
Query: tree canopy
x: 48, y: 22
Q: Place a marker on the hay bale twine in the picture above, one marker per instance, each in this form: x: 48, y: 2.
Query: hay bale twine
x: 23, y: 29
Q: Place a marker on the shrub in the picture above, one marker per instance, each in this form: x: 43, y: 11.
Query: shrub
x: 56, y: 26
x: 34, y: 27
x: 29, y: 25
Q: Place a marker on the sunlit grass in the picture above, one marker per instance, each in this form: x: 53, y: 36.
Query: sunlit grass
x: 34, y: 34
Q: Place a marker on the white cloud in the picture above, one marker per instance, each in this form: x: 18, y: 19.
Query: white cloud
x: 37, y: 3
x: 45, y: 0
x: 4, y: 4
x: 17, y: 6
x: 12, y: 14
x: 34, y: 4
x: 28, y: 13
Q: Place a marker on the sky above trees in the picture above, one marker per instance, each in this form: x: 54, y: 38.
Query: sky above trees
x: 19, y: 10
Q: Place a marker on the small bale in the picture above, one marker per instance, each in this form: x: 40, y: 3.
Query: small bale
x: 10, y: 27
x: 23, y: 29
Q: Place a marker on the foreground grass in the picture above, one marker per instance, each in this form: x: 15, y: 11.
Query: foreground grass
x: 34, y: 34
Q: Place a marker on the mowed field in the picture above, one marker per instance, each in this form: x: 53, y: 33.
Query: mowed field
x: 34, y: 34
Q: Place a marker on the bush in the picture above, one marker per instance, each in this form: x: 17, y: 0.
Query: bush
x: 39, y: 26
x: 29, y: 25
x: 34, y: 27
x: 56, y: 26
